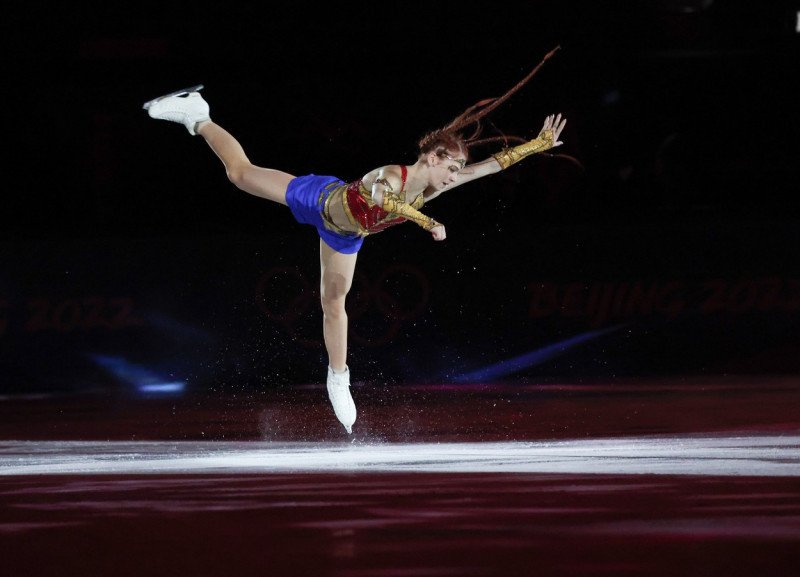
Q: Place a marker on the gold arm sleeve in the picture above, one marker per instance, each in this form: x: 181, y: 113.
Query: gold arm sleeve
x: 509, y: 156
x: 393, y: 204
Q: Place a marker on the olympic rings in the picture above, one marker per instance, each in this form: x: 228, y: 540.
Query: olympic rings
x: 399, y: 294
x: 300, y: 304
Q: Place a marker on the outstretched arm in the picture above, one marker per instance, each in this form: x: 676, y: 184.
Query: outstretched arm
x: 548, y: 138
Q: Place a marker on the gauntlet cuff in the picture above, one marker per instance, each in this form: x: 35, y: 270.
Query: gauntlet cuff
x: 509, y: 156
x: 393, y: 204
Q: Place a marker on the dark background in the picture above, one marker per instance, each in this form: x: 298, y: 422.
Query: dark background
x: 667, y: 247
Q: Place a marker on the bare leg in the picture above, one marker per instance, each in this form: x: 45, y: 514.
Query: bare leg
x: 264, y: 182
x: 336, y: 279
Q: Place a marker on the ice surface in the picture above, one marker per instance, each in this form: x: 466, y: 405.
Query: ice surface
x: 757, y: 455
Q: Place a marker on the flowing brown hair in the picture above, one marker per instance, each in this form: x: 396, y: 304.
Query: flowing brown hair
x: 451, y: 136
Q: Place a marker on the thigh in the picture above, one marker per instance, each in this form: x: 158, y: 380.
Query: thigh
x: 337, y: 270
x: 265, y: 182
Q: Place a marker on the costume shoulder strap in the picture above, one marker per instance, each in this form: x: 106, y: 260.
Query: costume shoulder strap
x: 404, y: 172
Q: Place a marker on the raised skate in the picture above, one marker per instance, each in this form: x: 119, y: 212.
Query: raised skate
x: 184, y: 106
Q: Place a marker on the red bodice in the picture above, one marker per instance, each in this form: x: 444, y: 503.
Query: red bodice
x: 370, y: 217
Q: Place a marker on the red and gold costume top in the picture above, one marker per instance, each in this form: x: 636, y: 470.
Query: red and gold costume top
x: 370, y: 218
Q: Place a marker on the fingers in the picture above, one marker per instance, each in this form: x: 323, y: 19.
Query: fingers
x: 555, y: 123
x: 559, y: 126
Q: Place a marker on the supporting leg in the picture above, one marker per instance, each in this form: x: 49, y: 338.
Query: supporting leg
x: 337, y: 272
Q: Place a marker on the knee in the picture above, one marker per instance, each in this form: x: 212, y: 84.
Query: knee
x: 236, y: 174
x: 333, y: 307
x: 333, y: 296
x: 334, y: 285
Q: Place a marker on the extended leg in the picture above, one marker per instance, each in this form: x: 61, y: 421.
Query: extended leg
x: 188, y: 107
x: 264, y: 182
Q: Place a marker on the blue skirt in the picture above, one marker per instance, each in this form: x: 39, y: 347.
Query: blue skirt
x: 306, y: 196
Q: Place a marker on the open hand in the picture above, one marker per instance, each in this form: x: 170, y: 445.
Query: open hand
x: 556, y: 124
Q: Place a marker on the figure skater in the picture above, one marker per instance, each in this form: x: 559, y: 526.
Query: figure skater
x: 344, y: 213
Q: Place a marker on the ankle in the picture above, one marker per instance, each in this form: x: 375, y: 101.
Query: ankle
x: 198, y: 127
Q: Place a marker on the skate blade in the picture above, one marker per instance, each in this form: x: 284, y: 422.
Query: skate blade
x: 181, y: 92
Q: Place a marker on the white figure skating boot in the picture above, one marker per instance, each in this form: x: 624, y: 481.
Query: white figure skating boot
x: 185, y: 107
x: 342, y: 401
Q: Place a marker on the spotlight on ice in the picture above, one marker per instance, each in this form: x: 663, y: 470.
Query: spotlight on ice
x: 533, y: 358
x: 144, y: 380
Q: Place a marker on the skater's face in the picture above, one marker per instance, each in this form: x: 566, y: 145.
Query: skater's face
x: 445, y: 167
